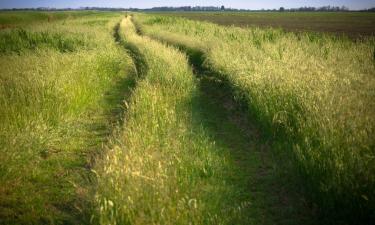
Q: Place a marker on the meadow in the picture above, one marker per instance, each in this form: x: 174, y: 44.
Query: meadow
x: 312, y: 93
x: 132, y: 118
x: 59, y: 86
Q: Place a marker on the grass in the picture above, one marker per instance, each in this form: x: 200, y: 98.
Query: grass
x: 27, y: 18
x: 155, y: 171
x: 180, y: 159
x: 312, y: 94
x: 59, y: 94
x: 353, y: 24
x: 164, y: 120
x: 18, y: 40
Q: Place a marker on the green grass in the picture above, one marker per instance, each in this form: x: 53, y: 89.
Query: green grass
x: 61, y: 84
x: 353, y: 24
x: 27, y: 18
x: 164, y: 120
x: 180, y: 159
x: 18, y: 40
x: 312, y: 94
x: 161, y: 170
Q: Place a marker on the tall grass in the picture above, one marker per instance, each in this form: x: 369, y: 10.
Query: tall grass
x: 164, y: 168
x: 312, y: 93
x: 27, y: 18
x: 55, y: 83
x: 17, y: 40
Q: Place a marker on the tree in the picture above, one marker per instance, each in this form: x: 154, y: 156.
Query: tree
x: 222, y: 8
x: 282, y: 9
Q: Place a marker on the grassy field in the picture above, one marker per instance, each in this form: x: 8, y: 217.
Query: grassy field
x: 113, y: 118
x: 353, y: 24
x: 312, y: 93
x: 61, y: 83
x: 179, y: 160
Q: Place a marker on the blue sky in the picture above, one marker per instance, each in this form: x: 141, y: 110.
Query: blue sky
x: 244, y: 4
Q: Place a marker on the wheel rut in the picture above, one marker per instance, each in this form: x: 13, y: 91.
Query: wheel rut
x: 272, y: 199
x: 270, y: 195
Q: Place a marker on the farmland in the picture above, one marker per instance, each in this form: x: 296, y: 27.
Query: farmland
x: 353, y: 24
x: 132, y: 118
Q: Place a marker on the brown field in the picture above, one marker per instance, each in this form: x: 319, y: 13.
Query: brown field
x: 353, y: 24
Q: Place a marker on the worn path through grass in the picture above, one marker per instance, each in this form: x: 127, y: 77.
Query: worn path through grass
x: 271, y: 199
x: 268, y: 197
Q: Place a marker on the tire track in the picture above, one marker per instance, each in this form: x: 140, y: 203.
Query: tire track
x: 273, y: 198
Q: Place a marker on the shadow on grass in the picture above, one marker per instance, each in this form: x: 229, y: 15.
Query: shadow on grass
x: 114, y: 100
x: 273, y: 201
x: 138, y: 58
x: 255, y: 179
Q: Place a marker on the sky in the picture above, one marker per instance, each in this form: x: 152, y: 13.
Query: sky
x: 240, y: 4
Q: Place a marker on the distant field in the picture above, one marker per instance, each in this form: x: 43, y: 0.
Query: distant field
x: 353, y: 24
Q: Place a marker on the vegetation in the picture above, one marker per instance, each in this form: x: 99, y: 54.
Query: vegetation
x: 313, y: 95
x: 13, y: 19
x: 164, y: 167
x: 58, y: 89
x: 157, y: 119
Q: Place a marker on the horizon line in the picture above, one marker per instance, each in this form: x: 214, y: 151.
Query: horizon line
x: 203, y: 6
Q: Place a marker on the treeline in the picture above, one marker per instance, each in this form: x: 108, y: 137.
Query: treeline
x: 368, y: 10
x: 70, y: 9
x: 319, y: 9
x: 325, y: 9
x: 222, y: 8
x: 191, y: 8
x: 199, y: 9
x: 164, y: 8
